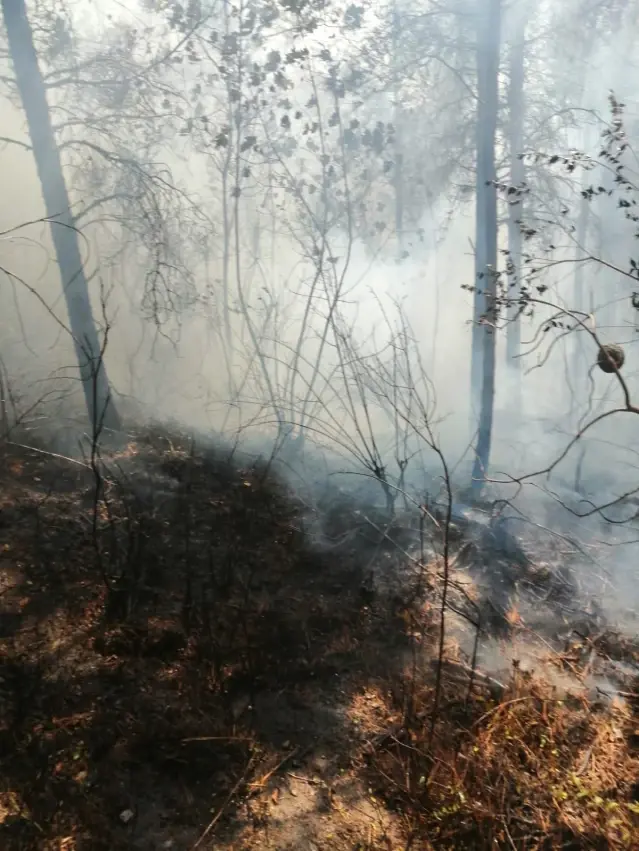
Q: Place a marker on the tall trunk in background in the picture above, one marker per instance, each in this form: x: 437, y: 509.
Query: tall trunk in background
x: 100, y: 406
x: 516, y: 110
x: 579, y: 370
x: 397, y: 120
x: 578, y: 296
x: 590, y: 143
x: 484, y: 314
x: 227, y: 214
x: 578, y: 374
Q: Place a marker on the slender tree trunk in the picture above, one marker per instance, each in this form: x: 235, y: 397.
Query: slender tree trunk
x: 100, y: 406
x: 580, y: 252
x: 227, y: 217
x: 578, y: 371
x: 516, y: 111
x: 399, y: 145
x: 484, y: 325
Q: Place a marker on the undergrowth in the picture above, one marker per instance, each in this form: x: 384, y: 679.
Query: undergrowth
x: 172, y: 649
x: 530, y: 770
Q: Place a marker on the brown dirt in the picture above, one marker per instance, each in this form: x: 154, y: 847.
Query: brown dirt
x: 204, y: 688
x: 179, y: 670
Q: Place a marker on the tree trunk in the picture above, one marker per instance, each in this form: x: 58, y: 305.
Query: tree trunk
x: 516, y: 211
x: 100, y: 407
x: 580, y: 363
x: 399, y: 142
x: 484, y: 325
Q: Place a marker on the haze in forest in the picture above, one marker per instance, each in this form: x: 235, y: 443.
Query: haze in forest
x: 267, y: 193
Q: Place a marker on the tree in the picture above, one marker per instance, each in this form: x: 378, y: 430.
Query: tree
x: 485, y: 315
x: 516, y: 111
x: 286, y: 154
x: 100, y: 406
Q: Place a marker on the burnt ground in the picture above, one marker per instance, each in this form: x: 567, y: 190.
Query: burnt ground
x: 181, y: 669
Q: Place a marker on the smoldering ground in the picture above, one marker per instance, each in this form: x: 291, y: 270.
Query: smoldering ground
x: 301, y: 390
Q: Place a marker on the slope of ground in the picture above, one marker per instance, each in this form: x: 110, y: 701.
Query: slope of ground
x: 179, y: 669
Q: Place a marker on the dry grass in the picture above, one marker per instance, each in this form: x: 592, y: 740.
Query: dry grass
x: 530, y: 770
x: 235, y: 689
x: 224, y: 644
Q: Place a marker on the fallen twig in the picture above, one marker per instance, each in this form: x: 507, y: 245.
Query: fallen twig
x: 310, y: 780
x: 477, y: 674
x: 227, y: 801
x: 259, y: 784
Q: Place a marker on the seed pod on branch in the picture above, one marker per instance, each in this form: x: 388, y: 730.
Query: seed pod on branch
x: 611, y: 358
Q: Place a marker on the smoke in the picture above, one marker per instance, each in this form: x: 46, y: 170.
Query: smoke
x: 269, y: 357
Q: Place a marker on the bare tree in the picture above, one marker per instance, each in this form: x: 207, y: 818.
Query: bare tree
x: 100, y: 406
x: 485, y: 319
x: 516, y: 110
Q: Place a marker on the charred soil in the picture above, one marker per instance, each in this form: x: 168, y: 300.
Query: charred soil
x: 181, y: 669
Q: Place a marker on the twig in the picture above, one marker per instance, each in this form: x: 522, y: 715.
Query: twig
x: 509, y: 837
x: 310, y: 780
x: 227, y: 801
x: 49, y: 454
x: 472, y: 672
x: 259, y: 784
x: 585, y: 760
x: 217, y: 739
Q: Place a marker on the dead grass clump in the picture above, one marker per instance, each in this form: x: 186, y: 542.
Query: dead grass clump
x: 167, y: 638
x: 528, y: 771
x: 180, y: 668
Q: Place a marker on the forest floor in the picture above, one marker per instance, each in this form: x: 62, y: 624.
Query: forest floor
x: 181, y: 669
